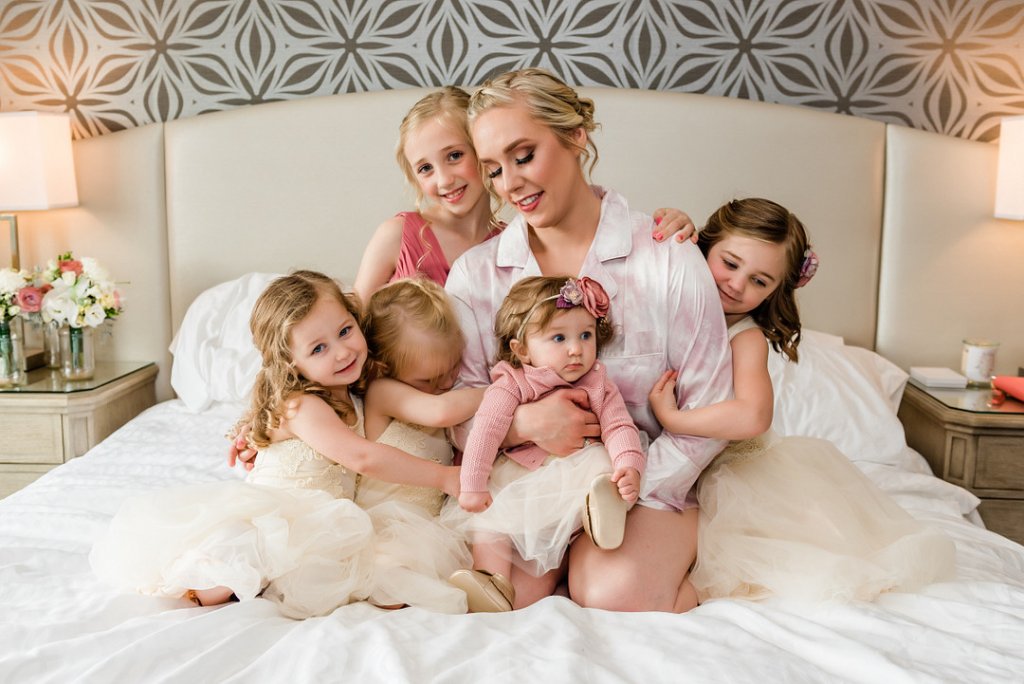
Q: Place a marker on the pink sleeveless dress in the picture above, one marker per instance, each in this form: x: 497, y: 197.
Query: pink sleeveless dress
x: 421, y: 253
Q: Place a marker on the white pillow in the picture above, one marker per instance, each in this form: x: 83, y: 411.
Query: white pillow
x: 214, y: 358
x: 847, y: 395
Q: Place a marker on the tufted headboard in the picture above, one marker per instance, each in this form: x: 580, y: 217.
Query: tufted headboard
x: 911, y: 260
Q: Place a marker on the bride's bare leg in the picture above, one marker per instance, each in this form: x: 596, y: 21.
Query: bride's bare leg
x: 648, y: 572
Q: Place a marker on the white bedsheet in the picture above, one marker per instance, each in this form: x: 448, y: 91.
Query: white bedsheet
x: 57, y: 623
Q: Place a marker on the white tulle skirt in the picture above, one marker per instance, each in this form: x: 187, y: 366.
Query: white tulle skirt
x: 301, y: 548
x: 794, y: 517
x: 414, y: 553
x: 540, y: 511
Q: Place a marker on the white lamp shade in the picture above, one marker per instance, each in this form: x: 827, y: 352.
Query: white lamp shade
x: 37, y: 170
x: 1010, y: 181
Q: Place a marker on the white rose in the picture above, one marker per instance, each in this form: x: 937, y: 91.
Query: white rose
x: 58, y: 306
x: 93, y: 315
x: 11, y: 281
x: 92, y: 268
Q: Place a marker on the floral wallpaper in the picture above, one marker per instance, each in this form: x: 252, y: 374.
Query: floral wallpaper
x: 951, y: 66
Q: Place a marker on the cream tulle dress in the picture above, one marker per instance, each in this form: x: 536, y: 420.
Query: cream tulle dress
x: 793, y: 517
x: 414, y: 552
x: 539, y: 511
x: 290, y: 530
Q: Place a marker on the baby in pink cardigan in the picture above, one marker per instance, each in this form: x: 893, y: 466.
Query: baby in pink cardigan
x: 549, y: 332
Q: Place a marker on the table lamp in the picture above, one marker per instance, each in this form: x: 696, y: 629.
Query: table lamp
x: 1010, y: 175
x: 36, y: 167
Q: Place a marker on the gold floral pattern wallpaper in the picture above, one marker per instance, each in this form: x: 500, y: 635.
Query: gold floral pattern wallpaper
x: 950, y: 66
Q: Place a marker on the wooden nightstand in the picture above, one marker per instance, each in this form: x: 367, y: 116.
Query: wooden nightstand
x: 49, y: 421
x: 977, y: 446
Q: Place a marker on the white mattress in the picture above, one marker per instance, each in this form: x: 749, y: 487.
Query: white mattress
x: 59, y: 624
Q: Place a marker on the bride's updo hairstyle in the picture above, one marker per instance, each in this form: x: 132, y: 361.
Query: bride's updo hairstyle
x: 548, y: 99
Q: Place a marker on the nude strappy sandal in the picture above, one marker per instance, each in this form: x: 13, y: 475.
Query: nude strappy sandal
x: 485, y: 592
x: 604, y: 514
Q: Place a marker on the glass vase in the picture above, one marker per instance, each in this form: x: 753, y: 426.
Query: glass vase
x: 77, y: 353
x: 51, y: 344
x: 12, y: 356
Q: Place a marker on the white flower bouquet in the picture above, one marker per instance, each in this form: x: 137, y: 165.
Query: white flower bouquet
x: 81, y: 293
x: 15, y: 289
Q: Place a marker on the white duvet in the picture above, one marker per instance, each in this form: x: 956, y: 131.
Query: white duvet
x: 59, y: 624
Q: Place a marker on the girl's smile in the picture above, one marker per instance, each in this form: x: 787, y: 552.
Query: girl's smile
x: 327, y: 346
x: 445, y: 165
x: 746, y: 272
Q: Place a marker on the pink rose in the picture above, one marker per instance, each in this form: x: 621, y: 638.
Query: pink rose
x: 595, y: 299
x: 30, y: 299
x: 73, y: 265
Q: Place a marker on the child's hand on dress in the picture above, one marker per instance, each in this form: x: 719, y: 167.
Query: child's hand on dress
x: 663, y: 396
x: 673, y: 221
x: 628, y: 482
x: 474, y: 502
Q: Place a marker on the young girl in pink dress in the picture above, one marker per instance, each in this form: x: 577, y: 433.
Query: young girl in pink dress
x: 290, y: 532
x: 549, y: 331
x: 453, y: 208
x: 785, y: 516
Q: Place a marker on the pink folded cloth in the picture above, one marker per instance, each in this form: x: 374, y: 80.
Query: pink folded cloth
x: 1010, y: 384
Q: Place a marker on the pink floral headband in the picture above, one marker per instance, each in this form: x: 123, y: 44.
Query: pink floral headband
x: 808, y: 267
x: 583, y: 292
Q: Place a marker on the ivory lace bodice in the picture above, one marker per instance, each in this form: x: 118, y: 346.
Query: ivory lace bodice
x: 426, y: 443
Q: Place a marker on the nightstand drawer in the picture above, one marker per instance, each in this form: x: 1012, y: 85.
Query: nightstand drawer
x: 1004, y: 516
x: 1000, y: 462
x: 31, y: 438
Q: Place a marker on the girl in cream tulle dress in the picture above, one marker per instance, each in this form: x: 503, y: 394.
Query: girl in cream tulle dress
x: 417, y: 349
x: 784, y: 516
x: 291, y: 531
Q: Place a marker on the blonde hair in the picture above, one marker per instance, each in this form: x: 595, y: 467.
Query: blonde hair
x: 527, y: 299
x: 549, y: 100
x: 404, y: 305
x: 450, y: 104
x: 760, y: 219
x: 284, y: 303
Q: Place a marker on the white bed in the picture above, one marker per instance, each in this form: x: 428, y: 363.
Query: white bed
x: 184, y: 200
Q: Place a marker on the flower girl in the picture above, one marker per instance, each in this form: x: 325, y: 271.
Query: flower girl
x: 290, y: 532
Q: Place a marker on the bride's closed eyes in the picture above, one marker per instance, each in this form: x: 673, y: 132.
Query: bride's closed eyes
x: 519, y: 161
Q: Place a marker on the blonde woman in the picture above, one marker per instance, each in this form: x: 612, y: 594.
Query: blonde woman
x: 532, y: 135
x: 453, y: 209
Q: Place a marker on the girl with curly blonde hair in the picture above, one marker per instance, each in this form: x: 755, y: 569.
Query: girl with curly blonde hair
x: 289, y: 532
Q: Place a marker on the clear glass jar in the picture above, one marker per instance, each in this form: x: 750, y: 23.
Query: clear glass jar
x: 77, y: 353
x: 12, y: 355
x: 51, y: 344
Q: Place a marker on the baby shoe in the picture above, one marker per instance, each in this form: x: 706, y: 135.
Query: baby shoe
x: 604, y: 514
x: 485, y: 592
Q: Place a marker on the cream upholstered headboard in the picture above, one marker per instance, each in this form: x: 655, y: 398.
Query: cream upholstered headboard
x: 179, y: 207
x: 304, y: 183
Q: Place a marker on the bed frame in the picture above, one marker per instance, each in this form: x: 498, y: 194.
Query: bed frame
x: 911, y: 259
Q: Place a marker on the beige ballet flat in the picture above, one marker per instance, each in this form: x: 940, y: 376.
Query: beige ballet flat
x: 604, y: 514
x: 485, y: 592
